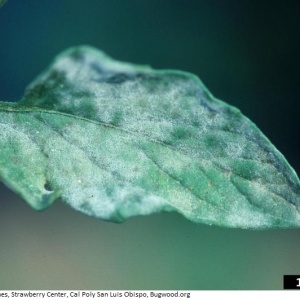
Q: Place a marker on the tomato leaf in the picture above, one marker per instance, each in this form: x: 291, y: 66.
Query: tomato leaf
x: 116, y: 140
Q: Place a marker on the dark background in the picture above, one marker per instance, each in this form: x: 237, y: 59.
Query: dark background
x: 245, y: 51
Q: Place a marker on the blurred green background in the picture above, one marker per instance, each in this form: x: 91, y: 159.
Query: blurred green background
x: 246, y: 52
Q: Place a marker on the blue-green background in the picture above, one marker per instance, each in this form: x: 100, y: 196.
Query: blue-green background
x: 245, y: 51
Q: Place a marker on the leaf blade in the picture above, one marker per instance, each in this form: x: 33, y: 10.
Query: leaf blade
x: 116, y: 140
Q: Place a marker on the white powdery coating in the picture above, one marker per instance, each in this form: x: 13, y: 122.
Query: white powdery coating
x: 127, y: 141
x: 97, y: 142
x: 90, y: 185
x: 119, y: 205
x: 242, y: 218
x: 81, y: 67
x: 22, y: 159
x: 234, y: 149
x: 161, y: 115
x: 94, y: 182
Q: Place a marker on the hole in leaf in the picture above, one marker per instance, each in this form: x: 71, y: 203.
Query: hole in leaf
x: 47, y: 187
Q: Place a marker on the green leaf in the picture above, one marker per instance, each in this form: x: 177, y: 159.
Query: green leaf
x: 116, y: 140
